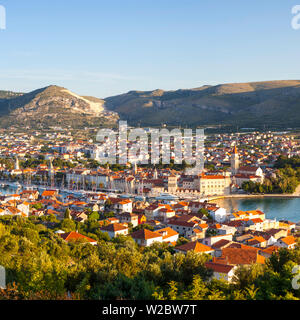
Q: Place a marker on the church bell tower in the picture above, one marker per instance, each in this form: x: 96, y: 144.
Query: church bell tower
x: 235, y: 162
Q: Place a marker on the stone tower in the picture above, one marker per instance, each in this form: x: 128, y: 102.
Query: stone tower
x: 235, y: 162
x: 172, y: 183
x: 50, y: 167
x: 155, y: 175
x: 17, y: 166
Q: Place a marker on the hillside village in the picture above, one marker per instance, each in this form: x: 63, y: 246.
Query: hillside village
x: 154, y: 205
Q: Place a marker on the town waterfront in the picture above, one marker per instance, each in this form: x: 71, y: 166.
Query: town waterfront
x: 277, y: 207
x: 280, y: 208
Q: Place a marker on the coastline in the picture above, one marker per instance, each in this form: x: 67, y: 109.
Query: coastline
x: 253, y: 196
x: 225, y: 201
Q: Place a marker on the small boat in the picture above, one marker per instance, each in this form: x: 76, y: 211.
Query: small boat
x: 16, y: 185
x: 28, y: 188
x: 140, y: 198
x: 112, y: 195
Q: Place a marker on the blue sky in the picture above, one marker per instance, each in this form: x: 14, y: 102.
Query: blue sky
x: 108, y: 47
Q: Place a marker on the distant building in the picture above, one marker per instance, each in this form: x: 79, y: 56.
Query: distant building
x: 172, y: 183
x: 288, y: 242
x: 221, y: 271
x: 146, y: 237
x: 210, y: 185
x: 195, y: 246
x: 115, y: 229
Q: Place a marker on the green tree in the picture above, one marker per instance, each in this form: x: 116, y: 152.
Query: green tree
x: 68, y: 225
x: 67, y: 214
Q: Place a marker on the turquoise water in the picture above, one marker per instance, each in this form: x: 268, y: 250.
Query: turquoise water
x: 8, y: 190
x: 279, y: 208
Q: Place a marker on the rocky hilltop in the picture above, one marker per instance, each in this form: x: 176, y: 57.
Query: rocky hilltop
x: 53, y: 106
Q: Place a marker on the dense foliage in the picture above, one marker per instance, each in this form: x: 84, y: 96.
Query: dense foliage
x: 286, y: 181
x: 40, y: 265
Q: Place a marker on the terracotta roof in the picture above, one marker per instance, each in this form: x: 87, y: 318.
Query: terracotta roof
x: 249, y: 169
x: 239, y: 256
x: 186, y: 217
x: 236, y: 223
x: 271, y: 249
x: 289, y: 240
x: 79, y: 203
x: 219, y: 267
x: 14, y: 210
x: 112, y: 219
x: 242, y: 246
x: 257, y: 220
x: 213, y: 177
x: 169, y: 232
x: 75, y: 236
x: 259, y: 239
x: 29, y: 192
x: 120, y: 200
x: 128, y: 215
x: 196, y: 246
x: 166, y: 210
x: 48, y: 193
x: 203, y: 225
x: 197, y: 231
x: 182, y: 223
x: 220, y: 244
x: 114, y: 227
x: 145, y: 234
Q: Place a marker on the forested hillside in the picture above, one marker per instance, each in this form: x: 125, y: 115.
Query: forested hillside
x: 40, y: 265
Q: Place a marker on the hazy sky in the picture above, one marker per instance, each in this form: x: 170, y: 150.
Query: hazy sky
x: 108, y: 47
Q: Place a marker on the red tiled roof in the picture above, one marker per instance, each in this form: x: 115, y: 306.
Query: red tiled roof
x: 49, y: 193
x: 169, y: 232
x: 114, y: 227
x: 219, y: 267
x: 75, y: 236
x: 181, y: 223
x: 220, y: 244
x: 145, y: 234
x: 289, y: 240
x: 239, y: 256
x: 196, y: 246
x: 271, y: 249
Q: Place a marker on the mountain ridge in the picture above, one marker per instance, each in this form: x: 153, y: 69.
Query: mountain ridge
x: 252, y: 103
x: 53, y: 105
x: 249, y: 104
